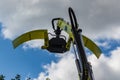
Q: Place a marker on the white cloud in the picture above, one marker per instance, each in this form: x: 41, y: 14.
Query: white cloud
x: 103, y: 20
x: 97, y: 18
x: 25, y: 15
x: 65, y: 69
x: 22, y: 16
x: 105, y: 68
x: 104, y: 44
x: 33, y: 44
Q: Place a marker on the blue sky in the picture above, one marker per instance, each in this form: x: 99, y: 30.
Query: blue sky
x: 20, y: 61
x: 99, y: 20
x: 25, y: 62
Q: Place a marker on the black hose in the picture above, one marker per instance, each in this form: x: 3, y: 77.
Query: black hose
x: 53, y: 20
x: 73, y: 18
x: 79, y: 44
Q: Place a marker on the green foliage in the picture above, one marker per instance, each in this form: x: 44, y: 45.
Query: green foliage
x: 47, y: 79
x: 2, y: 77
x: 17, y: 77
x: 28, y: 79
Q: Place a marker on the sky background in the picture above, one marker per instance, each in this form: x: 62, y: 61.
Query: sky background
x: 99, y: 20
